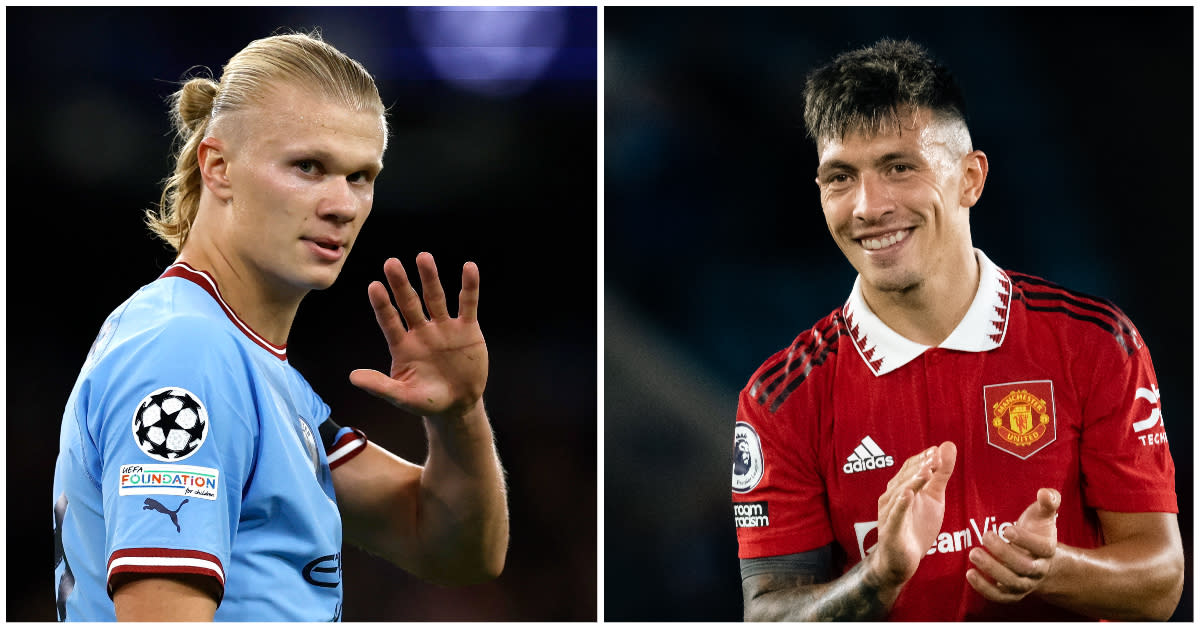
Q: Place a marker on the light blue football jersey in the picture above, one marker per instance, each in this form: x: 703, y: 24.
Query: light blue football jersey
x: 190, y: 445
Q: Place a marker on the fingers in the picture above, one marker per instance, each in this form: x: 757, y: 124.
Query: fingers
x: 408, y: 302
x: 933, y: 464
x: 1042, y: 512
x: 373, y: 382
x: 468, y: 298
x: 1036, y: 529
x: 925, y: 473
x: 912, y: 476
x: 1009, y: 568
x: 1002, y: 572
x: 910, y: 467
x: 903, y: 489
x: 380, y: 385
x: 943, y: 465
x: 431, y: 286
x: 389, y: 321
x: 1011, y: 556
x: 990, y: 590
x: 1001, y: 575
x: 1037, y: 545
x: 1048, y: 501
x: 406, y: 297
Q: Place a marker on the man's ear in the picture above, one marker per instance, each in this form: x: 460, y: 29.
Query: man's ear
x: 975, y: 170
x: 214, y: 168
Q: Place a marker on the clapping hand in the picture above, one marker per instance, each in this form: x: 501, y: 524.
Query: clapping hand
x: 911, y: 512
x: 1009, y: 571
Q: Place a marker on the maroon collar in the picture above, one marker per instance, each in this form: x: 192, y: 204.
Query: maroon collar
x: 204, y: 280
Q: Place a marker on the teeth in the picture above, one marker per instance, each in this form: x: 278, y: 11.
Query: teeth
x: 885, y: 241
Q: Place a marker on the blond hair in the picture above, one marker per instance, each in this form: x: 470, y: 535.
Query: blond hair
x: 299, y: 59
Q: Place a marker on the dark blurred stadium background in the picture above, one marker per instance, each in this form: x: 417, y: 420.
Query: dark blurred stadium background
x: 717, y: 255
x: 492, y: 158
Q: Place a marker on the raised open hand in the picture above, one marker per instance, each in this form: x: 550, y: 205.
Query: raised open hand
x: 440, y: 364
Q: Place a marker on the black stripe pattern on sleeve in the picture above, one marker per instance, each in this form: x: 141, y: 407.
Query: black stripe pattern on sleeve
x: 790, y: 369
x: 1040, y: 295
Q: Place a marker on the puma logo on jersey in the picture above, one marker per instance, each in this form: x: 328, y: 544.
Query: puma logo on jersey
x: 867, y: 456
x: 152, y: 504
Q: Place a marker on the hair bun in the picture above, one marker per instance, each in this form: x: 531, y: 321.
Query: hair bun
x: 196, y: 103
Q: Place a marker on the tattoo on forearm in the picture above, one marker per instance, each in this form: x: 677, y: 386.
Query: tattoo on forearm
x: 798, y: 597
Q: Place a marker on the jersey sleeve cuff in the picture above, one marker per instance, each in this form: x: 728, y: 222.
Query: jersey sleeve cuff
x: 348, y: 443
x: 779, y: 545
x: 156, y: 560
x: 1132, y: 501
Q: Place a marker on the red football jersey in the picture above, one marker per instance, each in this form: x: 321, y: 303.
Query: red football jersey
x: 1038, y: 386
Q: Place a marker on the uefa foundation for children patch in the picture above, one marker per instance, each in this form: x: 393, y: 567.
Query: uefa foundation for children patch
x: 169, y: 479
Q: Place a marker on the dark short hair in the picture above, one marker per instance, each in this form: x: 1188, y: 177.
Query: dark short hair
x: 862, y: 90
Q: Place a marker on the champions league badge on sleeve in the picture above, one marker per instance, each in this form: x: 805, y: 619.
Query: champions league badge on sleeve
x: 747, y: 458
x: 170, y: 424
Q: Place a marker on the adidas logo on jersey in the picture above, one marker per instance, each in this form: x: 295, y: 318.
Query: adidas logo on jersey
x: 867, y: 456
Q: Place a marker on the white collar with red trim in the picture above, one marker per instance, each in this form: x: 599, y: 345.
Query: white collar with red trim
x: 209, y: 284
x: 981, y: 329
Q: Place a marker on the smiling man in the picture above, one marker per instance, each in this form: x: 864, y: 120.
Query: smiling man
x: 956, y: 442
x: 199, y: 476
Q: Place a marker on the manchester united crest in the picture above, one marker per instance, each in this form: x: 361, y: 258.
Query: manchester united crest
x: 1020, y: 416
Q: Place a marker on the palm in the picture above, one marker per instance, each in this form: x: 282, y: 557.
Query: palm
x: 437, y: 369
x: 911, y: 512
x: 917, y: 532
x: 440, y: 364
